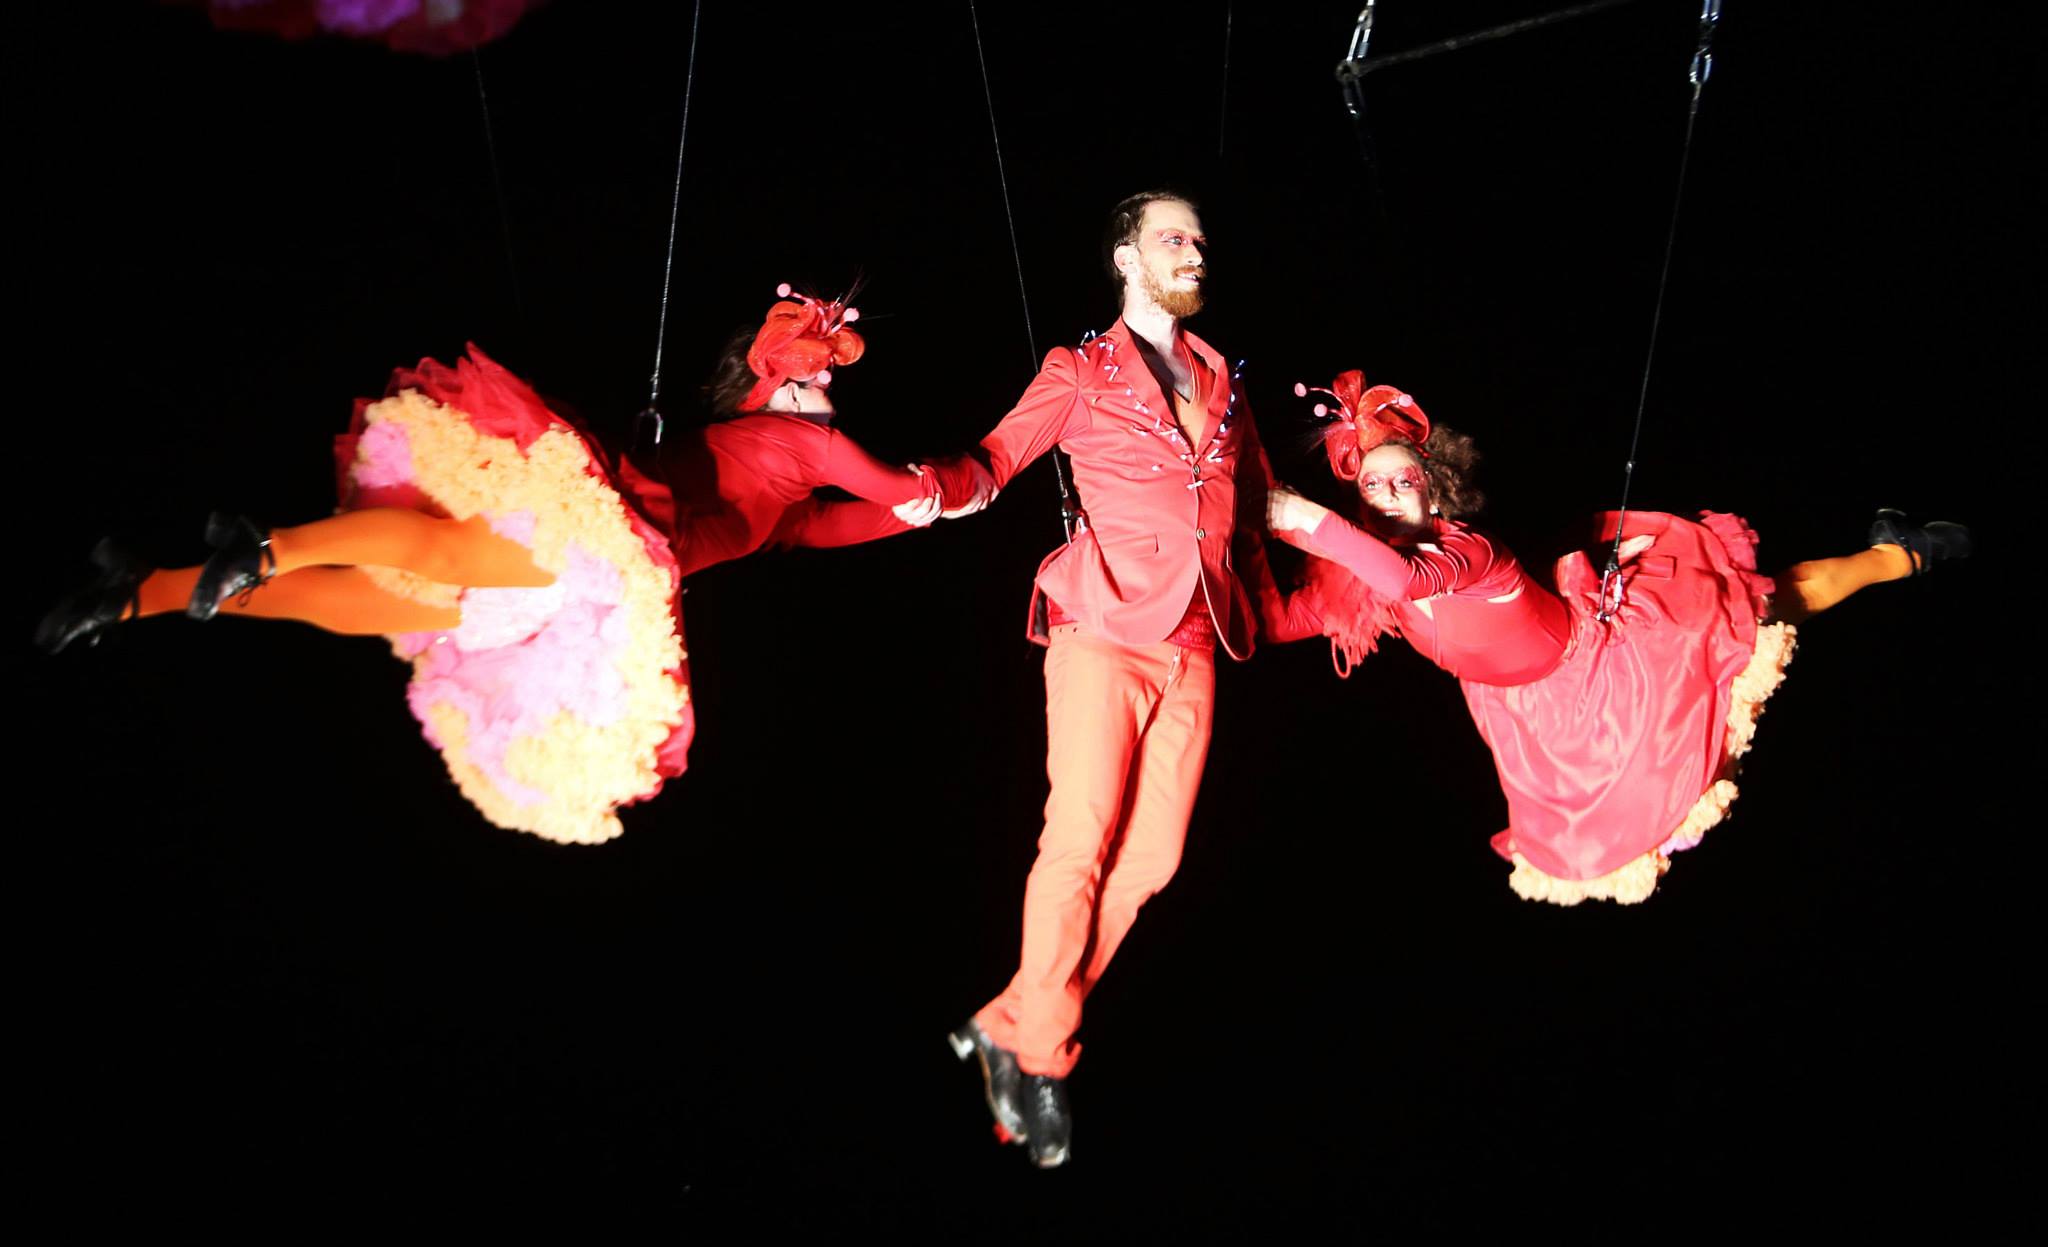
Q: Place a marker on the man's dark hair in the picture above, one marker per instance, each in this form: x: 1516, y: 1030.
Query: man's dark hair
x: 1124, y: 220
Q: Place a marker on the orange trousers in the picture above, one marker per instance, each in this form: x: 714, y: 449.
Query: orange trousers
x: 1127, y: 731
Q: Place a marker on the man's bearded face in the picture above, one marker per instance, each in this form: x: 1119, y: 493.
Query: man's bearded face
x: 1170, y: 266
x: 1179, y: 303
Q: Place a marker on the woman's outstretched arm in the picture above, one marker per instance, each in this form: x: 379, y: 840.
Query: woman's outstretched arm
x: 1445, y: 564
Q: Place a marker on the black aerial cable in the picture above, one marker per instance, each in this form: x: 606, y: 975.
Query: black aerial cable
x: 498, y: 186
x: 1350, y: 72
x: 1223, y: 105
x: 1702, y: 66
x: 1391, y: 253
x: 1003, y: 179
x: 653, y: 409
x: 1357, y: 64
x: 1067, y: 513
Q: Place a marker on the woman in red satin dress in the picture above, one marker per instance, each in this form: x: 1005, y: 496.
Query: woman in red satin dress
x: 1615, y: 733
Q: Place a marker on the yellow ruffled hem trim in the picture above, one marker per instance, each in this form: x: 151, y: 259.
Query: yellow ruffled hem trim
x: 586, y: 771
x: 1634, y: 881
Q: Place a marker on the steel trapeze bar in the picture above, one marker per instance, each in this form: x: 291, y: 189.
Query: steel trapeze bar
x: 1357, y: 64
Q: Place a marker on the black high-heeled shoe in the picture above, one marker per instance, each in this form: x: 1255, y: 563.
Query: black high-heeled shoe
x: 1923, y: 543
x: 113, y: 595
x: 241, y: 561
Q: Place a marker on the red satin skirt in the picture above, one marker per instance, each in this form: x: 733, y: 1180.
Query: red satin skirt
x: 1623, y: 753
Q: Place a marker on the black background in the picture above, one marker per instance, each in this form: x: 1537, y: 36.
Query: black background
x: 273, y: 971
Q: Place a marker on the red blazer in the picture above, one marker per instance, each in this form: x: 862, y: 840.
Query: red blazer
x: 1162, y: 520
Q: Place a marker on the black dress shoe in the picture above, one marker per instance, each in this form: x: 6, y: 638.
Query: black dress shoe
x: 112, y: 595
x: 1923, y: 543
x: 241, y: 561
x: 1048, y: 1119
x: 999, y: 1075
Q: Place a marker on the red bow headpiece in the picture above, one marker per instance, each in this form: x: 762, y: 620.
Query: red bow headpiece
x: 1364, y: 419
x: 799, y: 341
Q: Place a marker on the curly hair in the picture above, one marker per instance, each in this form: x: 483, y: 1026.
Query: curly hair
x: 1448, y: 459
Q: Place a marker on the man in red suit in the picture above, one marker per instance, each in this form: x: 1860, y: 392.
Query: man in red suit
x: 1172, y: 485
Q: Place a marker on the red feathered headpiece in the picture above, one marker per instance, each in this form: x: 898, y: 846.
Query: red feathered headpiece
x: 799, y: 341
x: 1364, y: 419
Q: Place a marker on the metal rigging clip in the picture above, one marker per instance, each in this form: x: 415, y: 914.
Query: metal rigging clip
x: 1703, y: 57
x: 1348, y: 71
x: 650, y: 414
x: 1612, y: 590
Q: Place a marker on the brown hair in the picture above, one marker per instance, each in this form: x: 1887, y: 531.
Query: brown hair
x: 1448, y: 460
x: 1126, y: 219
x: 731, y: 378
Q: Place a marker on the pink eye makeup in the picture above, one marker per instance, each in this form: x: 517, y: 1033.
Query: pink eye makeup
x: 1408, y: 480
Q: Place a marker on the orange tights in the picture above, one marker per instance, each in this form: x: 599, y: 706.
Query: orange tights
x: 1807, y: 589
x: 317, y: 580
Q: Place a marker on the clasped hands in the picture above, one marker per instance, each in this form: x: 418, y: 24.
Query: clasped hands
x: 922, y: 512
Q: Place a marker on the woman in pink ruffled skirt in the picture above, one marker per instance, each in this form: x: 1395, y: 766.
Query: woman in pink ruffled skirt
x: 530, y: 579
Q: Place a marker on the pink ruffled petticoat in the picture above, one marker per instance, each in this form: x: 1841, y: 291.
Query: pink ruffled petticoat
x: 552, y: 707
